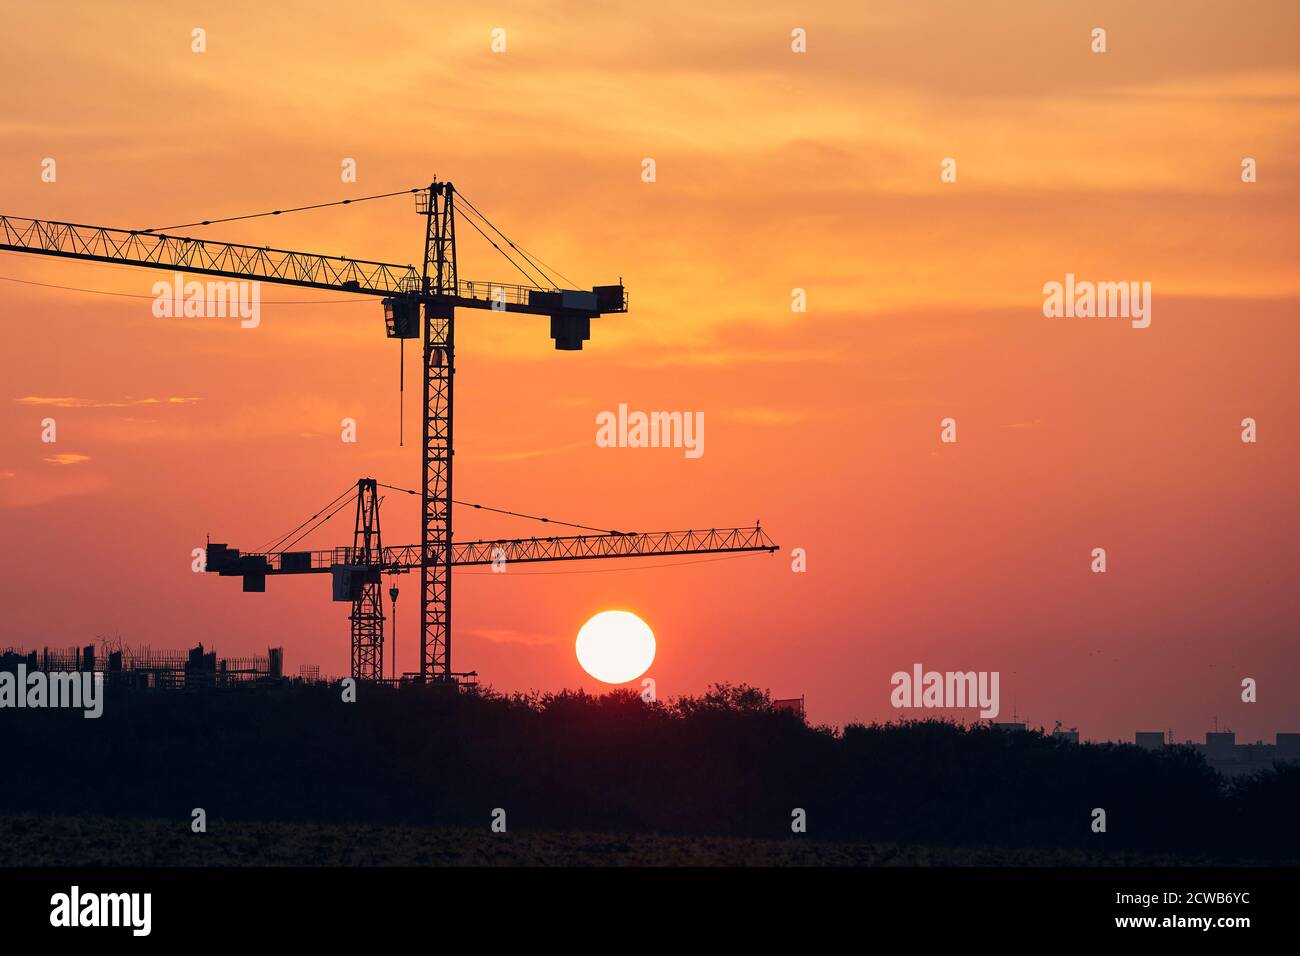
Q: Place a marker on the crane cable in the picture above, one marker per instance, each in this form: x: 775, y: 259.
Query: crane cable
x: 513, y: 514
x: 278, y: 544
x: 626, y: 567
x: 346, y: 202
x: 538, y: 266
x: 280, y: 212
x: 522, y: 270
x: 571, y: 284
x: 271, y: 545
x: 140, y: 295
x: 342, y: 504
x: 540, y: 271
x: 534, y: 260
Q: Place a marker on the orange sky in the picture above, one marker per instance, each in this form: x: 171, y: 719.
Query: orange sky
x: 775, y: 171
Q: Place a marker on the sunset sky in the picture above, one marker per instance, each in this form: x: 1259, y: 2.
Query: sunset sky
x: 775, y: 171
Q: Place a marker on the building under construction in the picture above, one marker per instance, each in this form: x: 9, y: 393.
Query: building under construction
x: 148, y: 669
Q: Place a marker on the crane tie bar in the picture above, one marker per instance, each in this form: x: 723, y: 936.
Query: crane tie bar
x: 513, y: 514
x: 280, y: 212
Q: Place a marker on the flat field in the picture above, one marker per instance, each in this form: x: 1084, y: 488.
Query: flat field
x: 31, y: 840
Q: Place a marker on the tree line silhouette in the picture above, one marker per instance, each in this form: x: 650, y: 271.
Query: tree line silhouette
x: 723, y: 763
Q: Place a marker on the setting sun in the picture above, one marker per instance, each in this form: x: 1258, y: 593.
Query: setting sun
x: 615, y: 647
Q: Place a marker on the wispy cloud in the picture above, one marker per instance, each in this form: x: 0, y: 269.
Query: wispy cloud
x: 765, y: 416
x: 506, y: 635
x: 67, y: 401
x: 737, y: 357
x: 534, y: 452
x: 67, y: 458
x: 52, y: 487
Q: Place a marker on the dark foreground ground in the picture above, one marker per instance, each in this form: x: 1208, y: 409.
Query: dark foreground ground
x: 28, y: 840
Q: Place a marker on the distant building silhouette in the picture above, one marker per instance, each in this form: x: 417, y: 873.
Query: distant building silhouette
x: 1221, y: 750
x: 794, y: 705
x: 1224, y: 754
x: 145, y: 668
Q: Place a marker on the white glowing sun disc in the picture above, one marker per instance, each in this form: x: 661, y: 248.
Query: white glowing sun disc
x: 615, y: 647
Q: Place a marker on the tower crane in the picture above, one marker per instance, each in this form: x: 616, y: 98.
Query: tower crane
x: 356, y: 570
x: 432, y: 292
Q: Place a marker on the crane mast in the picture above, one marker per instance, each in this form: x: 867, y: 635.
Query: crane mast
x: 439, y: 280
x: 367, y: 617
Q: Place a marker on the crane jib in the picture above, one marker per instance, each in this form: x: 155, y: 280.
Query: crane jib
x: 304, y: 269
x: 204, y: 256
